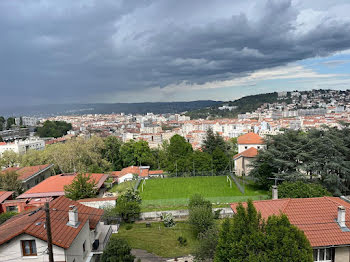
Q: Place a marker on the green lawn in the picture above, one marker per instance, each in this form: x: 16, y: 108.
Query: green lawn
x: 121, y: 188
x: 173, y: 193
x: 158, y: 239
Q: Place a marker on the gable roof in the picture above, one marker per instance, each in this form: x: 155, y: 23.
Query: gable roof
x: 141, y: 171
x: 250, y: 139
x: 26, y: 172
x: 32, y: 223
x: 250, y: 152
x: 54, y: 185
x: 4, y: 195
x: 315, y: 216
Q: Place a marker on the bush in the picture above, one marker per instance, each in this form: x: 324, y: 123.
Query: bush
x: 128, y: 227
x: 117, y: 250
x: 217, y: 214
x: 6, y: 216
x: 168, y: 219
x: 182, y: 241
x: 301, y: 189
x: 200, y: 214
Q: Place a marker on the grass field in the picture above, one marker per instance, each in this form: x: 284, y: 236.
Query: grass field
x: 158, y: 239
x: 121, y: 188
x: 173, y: 193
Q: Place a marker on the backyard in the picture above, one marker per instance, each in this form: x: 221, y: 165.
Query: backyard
x: 158, y: 239
x: 173, y: 193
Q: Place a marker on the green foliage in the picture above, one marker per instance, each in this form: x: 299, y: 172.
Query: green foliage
x: 54, y: 129
x: 220, y: 160
x: 322, y: 155
x: 128, y: 206
x: 182, y: 241
x: 208, y: 241
x: 300, y: 189
x: 136, y: 153
x: 250, y: 238
x: 2, y: 122
x: 111, y: 152
x: 9, y: 159
x: 212, y: 142
x: 9, y: 182
x: 6, y: 216
x: 117, y: 250
x: 82, y: 186
x: 179, y: 154
x: 168, y: 220
x: 200, y: 214
x: 10, y: 122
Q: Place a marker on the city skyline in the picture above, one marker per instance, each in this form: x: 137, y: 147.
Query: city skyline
x: 148, y: 51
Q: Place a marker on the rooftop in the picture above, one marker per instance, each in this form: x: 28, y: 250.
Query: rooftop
x: 28, y: 171
x: 315, y: 216
x: 250, y: 152
x: 250, y: 139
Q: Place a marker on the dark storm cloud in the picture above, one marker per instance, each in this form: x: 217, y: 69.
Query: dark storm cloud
x: 79, y: 51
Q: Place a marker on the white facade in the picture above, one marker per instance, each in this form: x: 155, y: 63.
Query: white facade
x: 125, y: 177
x: 243, y: 147
x: 22, y: 147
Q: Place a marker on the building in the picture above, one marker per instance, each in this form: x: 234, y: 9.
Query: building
x: 27, y: 121
x: 131, y: 172
x: 53, y: 186
x: 324, y: 220
x: 31, y: 175
x: 78, y: 235
x: 14, y: 134
x: 5, y: 195
x: 22, y: 147
x: 243, y: 161
x: 250, y: 140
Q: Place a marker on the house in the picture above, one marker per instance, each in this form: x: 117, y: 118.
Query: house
x: 5, y: 195
x: 324, y: 220
x: 22, y: 147
x: 54, y: 186
x: 248, y: 146
x: 129, y: 173
x: 31, y: 175
x: 78, y: 235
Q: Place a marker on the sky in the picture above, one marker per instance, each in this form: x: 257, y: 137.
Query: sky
x: 87, y: 51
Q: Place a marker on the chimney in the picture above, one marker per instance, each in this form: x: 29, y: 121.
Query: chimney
x: 73, y: 216
x: 341, y: 216
x: 274, y: 193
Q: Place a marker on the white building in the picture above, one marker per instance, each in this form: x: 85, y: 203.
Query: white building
x: 78, y: 235
x: 22, y: 147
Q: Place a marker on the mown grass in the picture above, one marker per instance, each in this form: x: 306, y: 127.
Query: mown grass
x: 173, y: 193
x: 158, y: 239
x: 121, y: 188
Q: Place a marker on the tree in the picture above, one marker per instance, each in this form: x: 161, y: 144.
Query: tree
x: 220, y: 160
x: 54, y: 129
x: 117, y: 250
x: 300, y: 189
x: 212, y: 141
x: 2, y: 123
x: 82, y: 186
x: 208, y: 241
x: 136, y: 153
x: 201, y: 162
x: 128, y: 205
x: 179, y: 154
x: 200, y: 214
x: 9, y: 182
x: 111, y: 152
x: 10, y: 122
x: 250, y: 238
x: 6, y: 216
x: 9, y: 159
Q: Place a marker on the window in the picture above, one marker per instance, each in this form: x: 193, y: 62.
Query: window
x: 323, y: 255
x: 84, y: 247
x: 258, y: 147
x: 11, y: 208
x: 28, y: 248
x: 246, y: 147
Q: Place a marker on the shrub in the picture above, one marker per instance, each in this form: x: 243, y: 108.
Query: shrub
x: 117, y: 250
x: 168, y: 219
x: 300, y: 189
x: 6, y: 216
x: 217, y: 214
x: 182, y: 241
x: 128, y: 227
x: 200, y: 214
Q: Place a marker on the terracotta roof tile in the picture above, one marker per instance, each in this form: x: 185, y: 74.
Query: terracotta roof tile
x: 62, y: 234
x: 4, y: 195
x: 250, y: 139
x: 250, y: 152
x: 28, y: 171
x: 315, y: 216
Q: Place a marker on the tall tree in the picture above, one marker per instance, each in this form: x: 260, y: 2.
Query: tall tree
x: 200, y: 214
x: 82, y: 186
x: 212, y: 141
x: 10, y: 122
x: 2, y: 123
x: 9, y: 159
x: 136, y: 153
x: 9, y: 182
x: 179, y: 154
x: 54, y: 129
x: 111, y: 152
x: 220, y: 160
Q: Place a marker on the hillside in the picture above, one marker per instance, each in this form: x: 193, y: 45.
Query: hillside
x: 244, y: 104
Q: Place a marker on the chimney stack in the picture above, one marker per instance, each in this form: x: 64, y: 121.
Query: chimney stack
x: 341, y: 216
x: 274, y: 193
x: 73, y: 216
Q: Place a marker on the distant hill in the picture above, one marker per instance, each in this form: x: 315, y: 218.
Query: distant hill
x: 101, y: 108
x: 244, y: 104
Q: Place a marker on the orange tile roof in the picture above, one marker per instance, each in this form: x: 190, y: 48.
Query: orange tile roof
x: 54, y: 185
x: 250, y: 139
x: 143, y: 172
x: 62, y: 234
x: 250, y: 152
x: 315, y: 216
x: 4, y: 195
x: 28, y: 171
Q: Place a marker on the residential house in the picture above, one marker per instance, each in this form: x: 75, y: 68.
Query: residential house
x: 32, y: 175
x: 248, y: 146
x: 5, y: 195
x: 129, y: 173
x: 78, y: 235
x: 324, y: 220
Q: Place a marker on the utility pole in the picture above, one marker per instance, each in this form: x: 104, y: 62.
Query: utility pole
x: 48, y: 231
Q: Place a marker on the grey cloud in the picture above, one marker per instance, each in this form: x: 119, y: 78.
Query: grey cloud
x: 64, y: 51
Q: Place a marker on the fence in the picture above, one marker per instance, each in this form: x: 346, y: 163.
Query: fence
x: 240, y: 187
